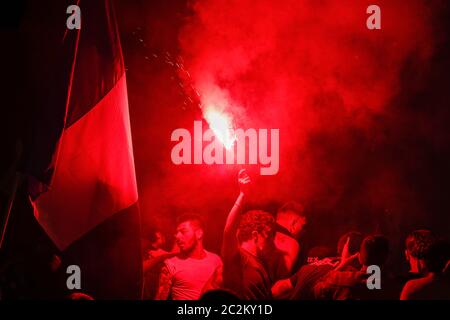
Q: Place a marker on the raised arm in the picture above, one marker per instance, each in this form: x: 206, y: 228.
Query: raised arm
x: 150, y: 263
x: 346, y: 258
x: 229, y: 243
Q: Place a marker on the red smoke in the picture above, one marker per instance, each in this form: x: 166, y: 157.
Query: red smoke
x: 310, y: 68
x: 339, y: 93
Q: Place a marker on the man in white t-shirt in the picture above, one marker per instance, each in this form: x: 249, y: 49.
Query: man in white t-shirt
x: 184, y: 276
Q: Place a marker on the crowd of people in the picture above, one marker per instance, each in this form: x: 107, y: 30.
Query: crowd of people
x: 259, y: 260
x: 263, y: 256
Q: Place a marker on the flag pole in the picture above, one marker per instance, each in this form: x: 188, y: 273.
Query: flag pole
x: 7, y: 213
x: 12, y: 192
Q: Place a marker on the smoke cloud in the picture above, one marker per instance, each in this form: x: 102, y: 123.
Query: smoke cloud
x: 350, y: 103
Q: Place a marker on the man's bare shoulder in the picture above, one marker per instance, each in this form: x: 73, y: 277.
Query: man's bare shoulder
x: 418, y: 283
x: 285, y: 243
x: 414, y: 286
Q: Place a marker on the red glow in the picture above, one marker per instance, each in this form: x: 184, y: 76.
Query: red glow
x: 311, y: 69
x: 318, y: 78
x: 221, y: 124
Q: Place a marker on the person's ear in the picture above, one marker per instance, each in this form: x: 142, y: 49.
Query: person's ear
x: 199, y: 234
x: 421, y: 265
x: 293, y: 225
x: 407, y: 255
x: 345, y: 251
x: 255, y: 236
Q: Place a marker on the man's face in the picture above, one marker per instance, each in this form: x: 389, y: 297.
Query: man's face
x: 186, y: 236
x: 298, y: 225
x: 159, y: 242
x: 264, y: 243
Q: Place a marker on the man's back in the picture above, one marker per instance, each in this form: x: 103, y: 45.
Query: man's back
x: 306, y: 278
x: 246, y: 276
x: 431, y: 287
x: 352, y: 285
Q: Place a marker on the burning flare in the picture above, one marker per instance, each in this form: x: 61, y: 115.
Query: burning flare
x: 221, y: 124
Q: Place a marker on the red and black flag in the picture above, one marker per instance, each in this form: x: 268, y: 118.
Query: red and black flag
x: 80, y: 156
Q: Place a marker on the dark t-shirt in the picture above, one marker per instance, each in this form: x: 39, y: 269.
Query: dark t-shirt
x: 247, y: 277
x: 431, y: 287
x: 352, y: 285
x: 305, y: 279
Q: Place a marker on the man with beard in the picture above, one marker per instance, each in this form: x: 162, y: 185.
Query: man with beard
x: 184, y: 276
x: 246, y: 241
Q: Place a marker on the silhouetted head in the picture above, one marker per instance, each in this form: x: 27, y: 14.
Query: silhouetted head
x: 374, y: 250
x: 354, y: 244
x: 292, y: 216
x: 79, y: 296
x: 436, y: 256
x: 417, y: 242
x: 157, y: 239
x: 219, y: 295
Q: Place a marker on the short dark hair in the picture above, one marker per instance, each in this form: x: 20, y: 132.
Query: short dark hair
x: 217, y: 295
x: 255, y: 220
x: 292, y: 206
x: 192, y: 218
x: 354, y: 244
x: 374, y: 250
x: 152, y: 236
x: 437, y: 255
x: 418, y: 242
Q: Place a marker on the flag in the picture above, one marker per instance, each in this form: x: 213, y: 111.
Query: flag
x: 80, y: 156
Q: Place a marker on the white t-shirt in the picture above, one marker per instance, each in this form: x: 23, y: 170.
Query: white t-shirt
x: 190, y: 275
